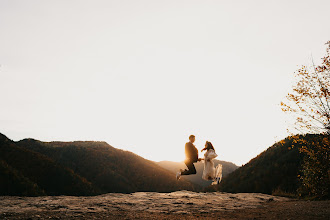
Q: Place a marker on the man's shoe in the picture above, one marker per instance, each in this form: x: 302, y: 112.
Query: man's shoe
x: 178, y: 175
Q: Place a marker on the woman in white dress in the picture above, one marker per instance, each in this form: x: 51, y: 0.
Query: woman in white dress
x: 211, y: 173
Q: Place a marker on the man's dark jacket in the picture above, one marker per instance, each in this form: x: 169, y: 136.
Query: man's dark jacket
x: 191, y: 152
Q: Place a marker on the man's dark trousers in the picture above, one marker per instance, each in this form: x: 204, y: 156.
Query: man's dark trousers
x: 191, y: 168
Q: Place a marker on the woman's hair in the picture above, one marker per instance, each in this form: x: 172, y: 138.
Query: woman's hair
x: 208, y: 146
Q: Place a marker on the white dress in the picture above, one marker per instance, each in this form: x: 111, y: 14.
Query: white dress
x: 211, y: 173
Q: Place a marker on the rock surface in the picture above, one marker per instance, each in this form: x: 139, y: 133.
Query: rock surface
x: 181, y: 204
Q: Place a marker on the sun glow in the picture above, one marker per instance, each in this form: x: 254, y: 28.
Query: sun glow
x: 144, y: 75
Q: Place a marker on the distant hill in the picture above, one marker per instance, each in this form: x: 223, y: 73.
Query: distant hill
x: 274, y: 170
x: 227, y: 167
x: 78, y: 168
x: 25, y: 172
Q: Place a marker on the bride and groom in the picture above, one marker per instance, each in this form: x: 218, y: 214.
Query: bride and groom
x: 209, y: 172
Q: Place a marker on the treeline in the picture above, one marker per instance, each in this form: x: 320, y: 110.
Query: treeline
x: 31, y: 167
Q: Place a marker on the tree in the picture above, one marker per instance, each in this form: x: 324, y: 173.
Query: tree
x: 309, y: 100
x: 310, y: 103
x: 315, y: 177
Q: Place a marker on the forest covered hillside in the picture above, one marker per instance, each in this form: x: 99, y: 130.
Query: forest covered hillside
x: 32, y: 167
x: 276, y: 170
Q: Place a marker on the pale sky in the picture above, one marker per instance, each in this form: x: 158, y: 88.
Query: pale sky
x: 144, y: 75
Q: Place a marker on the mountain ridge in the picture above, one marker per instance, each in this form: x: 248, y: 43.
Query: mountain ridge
x: 96, y: 167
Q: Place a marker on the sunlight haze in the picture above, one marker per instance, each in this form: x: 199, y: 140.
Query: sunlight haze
x: 144, y: 75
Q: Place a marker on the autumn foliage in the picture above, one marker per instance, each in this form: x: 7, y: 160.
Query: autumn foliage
x: 309, y: 100
x: 315, y: 176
